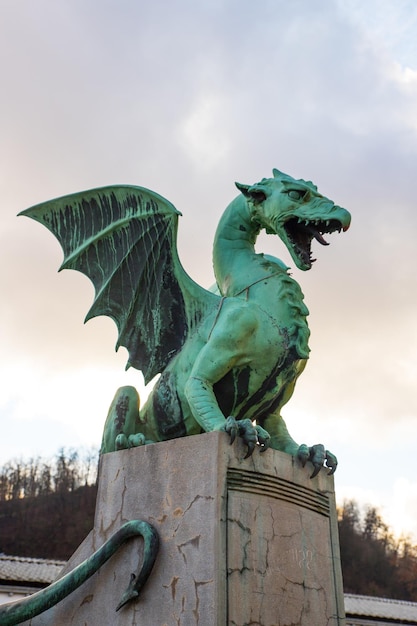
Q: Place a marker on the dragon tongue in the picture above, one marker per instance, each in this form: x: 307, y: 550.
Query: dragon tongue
x: 318, y: 236
x: 313, y: 231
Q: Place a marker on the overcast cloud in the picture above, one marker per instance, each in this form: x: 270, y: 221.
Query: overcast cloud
x: 184, y: 98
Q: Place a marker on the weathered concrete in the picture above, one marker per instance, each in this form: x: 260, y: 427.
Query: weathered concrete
x: 243, y: 542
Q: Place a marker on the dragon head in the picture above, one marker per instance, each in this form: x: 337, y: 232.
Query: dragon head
x: 296, y: 212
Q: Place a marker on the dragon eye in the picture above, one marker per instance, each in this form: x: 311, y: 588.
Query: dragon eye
x: 296, y: 194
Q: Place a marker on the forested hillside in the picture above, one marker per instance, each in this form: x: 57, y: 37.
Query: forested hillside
x: 47, y: 506
x: 374, y: 561
x: 47, y: 509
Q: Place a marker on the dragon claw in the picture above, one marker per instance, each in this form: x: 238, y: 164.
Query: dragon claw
x: 317, y: 468
x: 121, y: 442
x: 251, y: 448
x: 331, y: 463
x: 124, y: 443
x: 251, y: 435
x: 264, y: 438
x: 319, y: 457
x: 231, y: 428
x: 303, y: 454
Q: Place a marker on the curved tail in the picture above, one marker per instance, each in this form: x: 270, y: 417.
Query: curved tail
x: 14, y: 613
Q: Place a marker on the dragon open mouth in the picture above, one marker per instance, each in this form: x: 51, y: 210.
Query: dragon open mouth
x: 300, y: 233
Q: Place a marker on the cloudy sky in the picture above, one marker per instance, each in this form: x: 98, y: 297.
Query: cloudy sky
x: 185, y: 97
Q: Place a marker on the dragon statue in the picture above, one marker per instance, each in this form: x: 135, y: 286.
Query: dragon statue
x: 228, y: 358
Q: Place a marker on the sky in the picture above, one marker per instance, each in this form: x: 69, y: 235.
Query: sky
x: 185, y: 97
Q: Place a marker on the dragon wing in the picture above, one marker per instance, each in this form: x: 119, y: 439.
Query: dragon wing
x: 124, y: 239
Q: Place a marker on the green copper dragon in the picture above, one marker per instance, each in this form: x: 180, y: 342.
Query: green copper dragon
x: 229, y: 357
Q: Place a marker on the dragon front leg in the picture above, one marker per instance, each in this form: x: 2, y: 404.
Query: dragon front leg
x: 228, y: 345
x: 206, y: 411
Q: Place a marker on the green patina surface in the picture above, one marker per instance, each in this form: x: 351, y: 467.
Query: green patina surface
x: 229, y: 358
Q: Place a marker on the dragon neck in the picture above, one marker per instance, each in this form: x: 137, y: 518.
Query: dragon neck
x: 234, y: 246
x: 241, y: 272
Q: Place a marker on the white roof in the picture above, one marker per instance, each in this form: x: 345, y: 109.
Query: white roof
x: 24, y: 569
x: 381, y: 607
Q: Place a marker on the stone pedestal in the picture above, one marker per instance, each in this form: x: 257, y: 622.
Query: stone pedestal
x: 243, y: 542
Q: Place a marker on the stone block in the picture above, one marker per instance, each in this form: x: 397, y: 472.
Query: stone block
x: 244, y: 542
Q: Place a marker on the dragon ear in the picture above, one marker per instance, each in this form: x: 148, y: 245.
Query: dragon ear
x: 243, y: 189
x: 256, y: 193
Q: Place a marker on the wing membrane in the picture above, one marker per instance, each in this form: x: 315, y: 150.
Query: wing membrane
x: 124, y: 239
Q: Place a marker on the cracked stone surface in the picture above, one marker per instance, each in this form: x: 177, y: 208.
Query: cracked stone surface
x: 280, y: 556
x: 239, y: 552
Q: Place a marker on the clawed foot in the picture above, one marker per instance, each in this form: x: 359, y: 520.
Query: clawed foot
x: 251, y: 435
x: 122, y: 442
x: 319, y: 456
